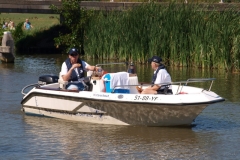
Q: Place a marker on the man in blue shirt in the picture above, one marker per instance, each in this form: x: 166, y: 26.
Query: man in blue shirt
x: 73, y: 69
x: 27, y: 25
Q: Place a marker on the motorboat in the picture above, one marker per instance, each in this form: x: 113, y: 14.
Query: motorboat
x: 113, y: 99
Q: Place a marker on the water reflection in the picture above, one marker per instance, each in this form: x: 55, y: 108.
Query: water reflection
x: 97, y: 141
x: 7, y: 66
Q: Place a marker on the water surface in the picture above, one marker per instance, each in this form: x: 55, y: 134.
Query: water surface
x: 215, y: 133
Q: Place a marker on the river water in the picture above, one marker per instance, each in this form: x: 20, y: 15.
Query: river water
x: 215, y: 133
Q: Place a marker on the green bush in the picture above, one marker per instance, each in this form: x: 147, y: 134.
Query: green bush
x: 75, y: 19
x: 42, y: 40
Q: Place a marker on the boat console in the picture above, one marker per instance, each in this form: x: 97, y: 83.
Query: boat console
x: 120, y: 82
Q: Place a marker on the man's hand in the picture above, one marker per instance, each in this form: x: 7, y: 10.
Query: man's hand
x: 76, y: 65
x: 139, y: 89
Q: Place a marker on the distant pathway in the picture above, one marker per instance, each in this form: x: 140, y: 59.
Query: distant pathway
x: 42, y: 6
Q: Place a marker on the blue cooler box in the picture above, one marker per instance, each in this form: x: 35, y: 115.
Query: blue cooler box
x: 107, y: 79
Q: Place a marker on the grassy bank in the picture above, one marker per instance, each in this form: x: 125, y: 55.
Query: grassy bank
x: 40, y: 39
x: 38, y: 21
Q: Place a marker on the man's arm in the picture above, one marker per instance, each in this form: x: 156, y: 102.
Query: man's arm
x: 92, y: 68
x: 67, y: 76
x: 150, y: 90
x: 155, y: 87
x: 31, y: 26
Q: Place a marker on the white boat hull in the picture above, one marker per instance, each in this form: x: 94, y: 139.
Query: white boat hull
x: 81, y: 117
x: 117, y: 109
x: 177, y: 118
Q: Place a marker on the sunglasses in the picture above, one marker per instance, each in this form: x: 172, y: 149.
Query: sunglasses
x: 73, y: 55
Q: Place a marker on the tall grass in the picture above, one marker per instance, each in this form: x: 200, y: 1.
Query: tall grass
x: 183, y: 35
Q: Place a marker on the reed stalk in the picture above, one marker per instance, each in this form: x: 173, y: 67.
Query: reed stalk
x: 182, y: 34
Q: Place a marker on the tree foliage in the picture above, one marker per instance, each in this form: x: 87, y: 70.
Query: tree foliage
x: 75, y: 19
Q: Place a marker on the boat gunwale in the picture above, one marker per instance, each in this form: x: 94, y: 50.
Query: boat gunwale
x: 131, y: 102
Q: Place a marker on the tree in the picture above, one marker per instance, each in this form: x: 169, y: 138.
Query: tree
x: 74, y: 18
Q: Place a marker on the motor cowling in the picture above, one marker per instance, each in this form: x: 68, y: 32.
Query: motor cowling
x: 47, y: 79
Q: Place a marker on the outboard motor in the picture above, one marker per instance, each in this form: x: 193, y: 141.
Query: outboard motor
x: 47, y: 79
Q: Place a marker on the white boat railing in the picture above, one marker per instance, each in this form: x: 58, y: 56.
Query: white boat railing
x: 180, y: 84
x: 105, y: 64
x: 30, y: 85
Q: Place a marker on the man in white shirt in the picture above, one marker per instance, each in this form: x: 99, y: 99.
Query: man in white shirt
x: 161, y: 78
x: 73, y: 69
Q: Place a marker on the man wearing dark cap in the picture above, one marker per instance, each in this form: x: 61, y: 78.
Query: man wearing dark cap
x: 73, y: 69
x: 160, y: 80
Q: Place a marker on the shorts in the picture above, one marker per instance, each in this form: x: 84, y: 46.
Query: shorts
x: 75, y: 86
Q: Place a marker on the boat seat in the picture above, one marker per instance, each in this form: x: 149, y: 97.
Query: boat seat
x: 62, y: 83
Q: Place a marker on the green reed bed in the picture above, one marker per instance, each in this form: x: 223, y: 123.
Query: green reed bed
x: 183, y: 35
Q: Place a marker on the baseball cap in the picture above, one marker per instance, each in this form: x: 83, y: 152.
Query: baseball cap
x: 155, y: 59
x: 73, y: 51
